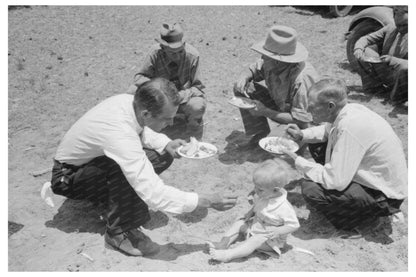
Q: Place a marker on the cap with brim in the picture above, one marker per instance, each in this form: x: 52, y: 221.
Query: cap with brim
x: 171, y: 45
x: 300, y: 55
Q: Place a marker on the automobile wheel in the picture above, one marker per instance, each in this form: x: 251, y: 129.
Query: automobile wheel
x: 361, y: 29
x: 340, y: 11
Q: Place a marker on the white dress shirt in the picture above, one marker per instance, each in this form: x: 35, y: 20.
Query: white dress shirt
x: 111, y: 129
x: 362, y: 147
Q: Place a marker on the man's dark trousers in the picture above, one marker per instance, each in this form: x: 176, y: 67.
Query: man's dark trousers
x: 351, y: 207
x: 102, y: 181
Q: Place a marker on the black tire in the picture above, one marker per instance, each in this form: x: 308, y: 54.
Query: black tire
x: 339, y: 11
x: 361, y: 29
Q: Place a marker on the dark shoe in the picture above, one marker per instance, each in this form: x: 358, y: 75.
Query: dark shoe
x: 132, y: 243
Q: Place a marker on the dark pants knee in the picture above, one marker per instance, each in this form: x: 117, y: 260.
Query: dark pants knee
x: 102, y: 180
x: 348, y: 208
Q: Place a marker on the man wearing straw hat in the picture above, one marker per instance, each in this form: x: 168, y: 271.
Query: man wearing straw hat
x: 177, y: 61
x: 287, y: 76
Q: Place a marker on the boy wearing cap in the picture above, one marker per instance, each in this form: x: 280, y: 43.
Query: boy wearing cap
x: 177, y: 61
x: 288, y: 77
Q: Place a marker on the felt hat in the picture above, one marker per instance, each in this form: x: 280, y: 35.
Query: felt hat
x: 281, y: 44
x: 171, y: 35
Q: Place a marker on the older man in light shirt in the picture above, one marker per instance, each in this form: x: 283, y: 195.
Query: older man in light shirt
x: 113, y: 154
x: 364, y: 173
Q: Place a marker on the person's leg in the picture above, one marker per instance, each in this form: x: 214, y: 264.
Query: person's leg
x: 231, y: 235
x: 399, y: 92
x: 256, y: 125
x: 102, y: 180
x: 242, y: 250
x: 345, y: 209
x: 369, y: 72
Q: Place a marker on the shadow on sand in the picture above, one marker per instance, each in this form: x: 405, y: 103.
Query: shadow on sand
x: 82, y: 216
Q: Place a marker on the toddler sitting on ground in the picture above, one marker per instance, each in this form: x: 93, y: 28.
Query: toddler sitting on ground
x: 268, y: 222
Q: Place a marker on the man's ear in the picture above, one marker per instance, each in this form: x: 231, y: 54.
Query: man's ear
x: 145, y: 114
x: 331, y: 106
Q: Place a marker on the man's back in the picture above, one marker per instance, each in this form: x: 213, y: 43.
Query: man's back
x: 384, y: 162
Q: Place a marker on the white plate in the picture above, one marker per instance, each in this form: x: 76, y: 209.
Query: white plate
x: 274, y: 144
x: 201, y: 154
x: 242, y: 102
x: 372, y: 60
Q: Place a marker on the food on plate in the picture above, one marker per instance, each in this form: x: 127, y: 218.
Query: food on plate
x: 278, y: 144
x: 197, y: 150
x: 191, y: 148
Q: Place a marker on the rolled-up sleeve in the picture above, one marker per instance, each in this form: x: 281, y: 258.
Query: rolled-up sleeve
x: 339, y: 171
x: 126, y: 150
x: 147, y: 70
x: 300, y: 103
x: 316, y: 134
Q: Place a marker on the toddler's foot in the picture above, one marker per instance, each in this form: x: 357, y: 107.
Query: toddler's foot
x: 219, y: 255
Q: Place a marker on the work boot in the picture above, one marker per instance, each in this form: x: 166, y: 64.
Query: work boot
x: 132, y: 243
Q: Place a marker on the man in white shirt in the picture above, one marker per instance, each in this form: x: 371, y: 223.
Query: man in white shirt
x: 364, y: 173
x: 113, y: 154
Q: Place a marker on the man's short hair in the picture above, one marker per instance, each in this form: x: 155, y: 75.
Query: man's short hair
x: 400, y: 10
x: 330, y: 89
x: 154, y: 94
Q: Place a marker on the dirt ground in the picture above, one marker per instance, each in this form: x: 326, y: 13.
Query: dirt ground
x: 64, y: 60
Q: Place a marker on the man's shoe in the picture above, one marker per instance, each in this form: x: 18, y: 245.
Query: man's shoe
x: 132, y: 243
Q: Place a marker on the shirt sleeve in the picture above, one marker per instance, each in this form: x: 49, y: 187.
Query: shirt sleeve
x: 257, y: 70
x: 195, y: 87
x: 126, y: 150
x: 154, y: 140
x: 300, y: 103
x: 339, y: 171
x: 147, y: 70
x: 376, y: 37
x: 316, y: 134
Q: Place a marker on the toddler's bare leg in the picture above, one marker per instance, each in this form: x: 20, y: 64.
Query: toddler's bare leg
x: 242, y: 250
x: 230, y: 236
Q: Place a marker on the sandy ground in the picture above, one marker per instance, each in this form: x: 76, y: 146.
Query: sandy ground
x: 64, y: 60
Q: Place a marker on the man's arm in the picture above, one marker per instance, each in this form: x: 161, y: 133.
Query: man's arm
x: 193, y: 87
x: 126, y: 150
x: 376, y: 37
x: 339, y: 171
x: 147, y: 70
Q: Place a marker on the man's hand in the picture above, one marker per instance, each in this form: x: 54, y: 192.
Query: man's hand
x: 294, y: 132
x: 259, y: 110
x: 241, y: 85
x: 291, y: 154
x: 359, y: 54
x: 386, y: 59
x: 216, y: 201
x: 172, y: 146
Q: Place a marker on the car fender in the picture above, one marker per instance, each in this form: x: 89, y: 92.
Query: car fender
x: 381, y: 14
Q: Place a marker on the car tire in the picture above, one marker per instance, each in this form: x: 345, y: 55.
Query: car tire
x: 339, y: 11
x: 361, y: 29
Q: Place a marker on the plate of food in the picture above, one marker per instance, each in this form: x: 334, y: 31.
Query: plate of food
x: 372, y: 59
x: 242, y: 102
x: 276, y: 144
x: 197, y: 149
